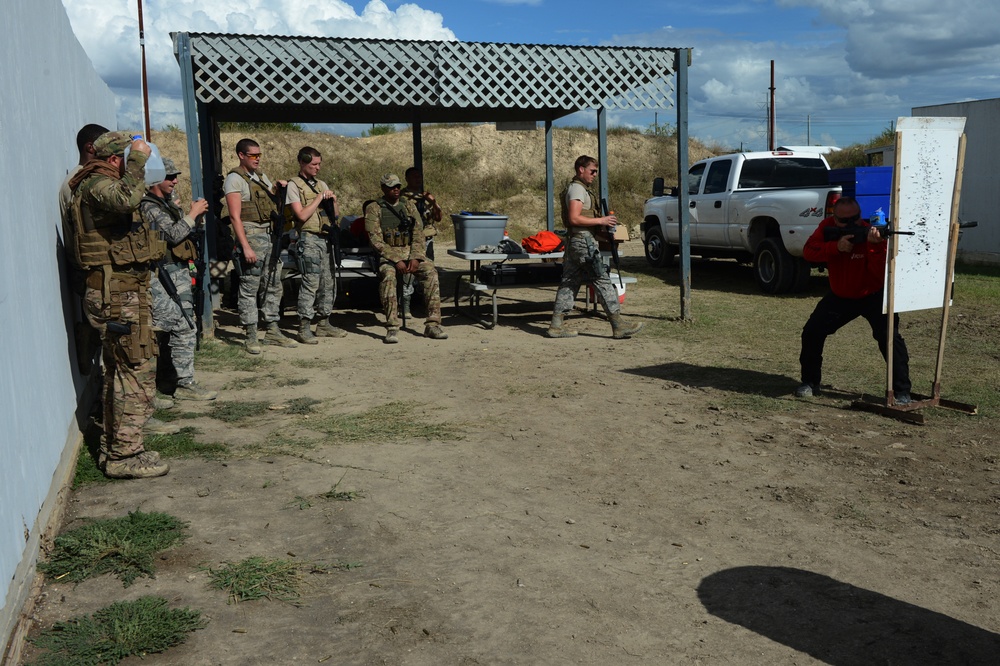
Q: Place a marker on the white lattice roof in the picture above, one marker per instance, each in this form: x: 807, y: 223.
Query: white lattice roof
x: 322, y: 79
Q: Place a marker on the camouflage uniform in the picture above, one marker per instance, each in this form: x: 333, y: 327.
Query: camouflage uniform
x: 317, y: 291
x: 582, y: 260
x: 115, y: 250
x: 168, y: 316
x: 258, y: 278
x: 392, y: 245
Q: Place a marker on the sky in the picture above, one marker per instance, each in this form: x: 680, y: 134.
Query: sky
x: 845, y: 70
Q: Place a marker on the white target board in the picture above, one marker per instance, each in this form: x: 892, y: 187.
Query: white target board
x: 924, y: 179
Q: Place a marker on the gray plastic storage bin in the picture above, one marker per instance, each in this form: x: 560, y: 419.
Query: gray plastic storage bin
x: 475, y: 229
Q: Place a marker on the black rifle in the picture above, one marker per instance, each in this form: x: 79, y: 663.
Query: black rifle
x: 277, y: 231
x: 614, y: 246
x: 332, y: 231
x: 171, y: 289
x: 859, y: 234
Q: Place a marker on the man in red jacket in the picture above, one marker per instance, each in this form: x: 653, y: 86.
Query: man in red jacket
x: 857, y: 276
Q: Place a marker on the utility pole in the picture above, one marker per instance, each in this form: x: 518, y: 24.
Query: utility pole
x: 142, y: 77
x: 771, y: 141
x: 809, y: 130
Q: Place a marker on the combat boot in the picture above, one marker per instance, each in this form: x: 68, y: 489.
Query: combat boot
x: 390, y: 336
x: 274, y: 336
x: 157, y: 427
x: 140, y: 466
x: 162, y: 402
x: 306, y: 336
x: 434, y: 332
x: 194, y: 391
x: 252, y: 344
x: 557, y: 330
x: 620, y: 328
x: 324, y: 329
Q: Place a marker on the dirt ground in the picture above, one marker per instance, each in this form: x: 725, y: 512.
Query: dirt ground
x: 593, y: 508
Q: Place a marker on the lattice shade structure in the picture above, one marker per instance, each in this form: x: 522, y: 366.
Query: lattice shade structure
x: 373, y: 80
x: 263, y: 78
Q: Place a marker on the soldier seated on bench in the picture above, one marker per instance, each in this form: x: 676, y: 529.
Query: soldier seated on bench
x: 396, y: 233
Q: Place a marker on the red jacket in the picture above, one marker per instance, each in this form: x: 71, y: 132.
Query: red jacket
x: 853, y: 274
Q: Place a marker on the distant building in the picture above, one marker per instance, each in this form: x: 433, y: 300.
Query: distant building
x: 980, y: 192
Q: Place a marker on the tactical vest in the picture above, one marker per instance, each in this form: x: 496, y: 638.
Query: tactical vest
x: 308, y: 194
x: 116, y: 240
x: 184, y: 251
x: 586, y: 212
x: 396, y: 232
x: 258, y: 210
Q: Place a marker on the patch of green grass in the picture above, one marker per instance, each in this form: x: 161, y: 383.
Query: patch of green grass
x: 292, y: 381
x: 215, y: 356
x: 232, y: 411
x: 302, y: 405
x: 123, y: 629
x: 321, y: 568
x: 392, y: 422
x: 279, y: 443
x: 311, y: 363
x: 253, y: 381
x: 184, y: 445
x: 122, y: 546
x: 341, y: 495
x: 753, y: 402
x: 87, y: 471
x: 301, y: 502
x: 257, y: 578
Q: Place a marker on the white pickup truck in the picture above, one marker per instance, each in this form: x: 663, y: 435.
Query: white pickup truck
x: 758, y: 207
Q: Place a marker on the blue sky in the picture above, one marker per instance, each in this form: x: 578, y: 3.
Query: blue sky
x: 844, y: 69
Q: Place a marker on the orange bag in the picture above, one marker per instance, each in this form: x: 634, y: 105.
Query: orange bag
x: 542, y: 242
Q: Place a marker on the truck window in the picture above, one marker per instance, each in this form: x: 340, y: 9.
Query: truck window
x: 694, y: 178
x: 784, y: 172
x: 718, y: 176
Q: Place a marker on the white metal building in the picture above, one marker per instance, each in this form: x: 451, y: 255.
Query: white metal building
x: 980, y: 192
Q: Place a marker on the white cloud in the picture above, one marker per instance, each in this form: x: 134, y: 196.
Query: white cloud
x: 109, y: 32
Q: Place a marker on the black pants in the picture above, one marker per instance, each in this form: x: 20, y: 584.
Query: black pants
x: 830, y: 315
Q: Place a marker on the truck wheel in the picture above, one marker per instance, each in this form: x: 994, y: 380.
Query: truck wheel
x: 773, y: 267
x: 659, y: 253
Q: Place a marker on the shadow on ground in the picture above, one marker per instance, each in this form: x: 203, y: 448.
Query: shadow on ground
x: 839, y: 623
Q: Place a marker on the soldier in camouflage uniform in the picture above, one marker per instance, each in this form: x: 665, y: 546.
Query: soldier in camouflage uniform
x: 582, y: 260
x: 116, y: 250
x: 315, y: 209
x: 250, y: 203
x: 86, y: 338
x: 396, y: 233
x: 176, y: 317
x: 430, y: 215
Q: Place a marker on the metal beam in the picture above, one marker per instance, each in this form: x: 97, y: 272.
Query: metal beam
x: 550, y: 186
x: 683, y: 198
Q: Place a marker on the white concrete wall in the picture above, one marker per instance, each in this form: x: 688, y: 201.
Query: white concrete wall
x: 49, y: 91
x: 980, y: 194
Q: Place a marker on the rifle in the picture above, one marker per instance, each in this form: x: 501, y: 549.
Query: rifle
x: 277, y: 231
x: 859, y: 234
x: 332, y: 231
x: 171, y: 289
x: 614, y: 246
